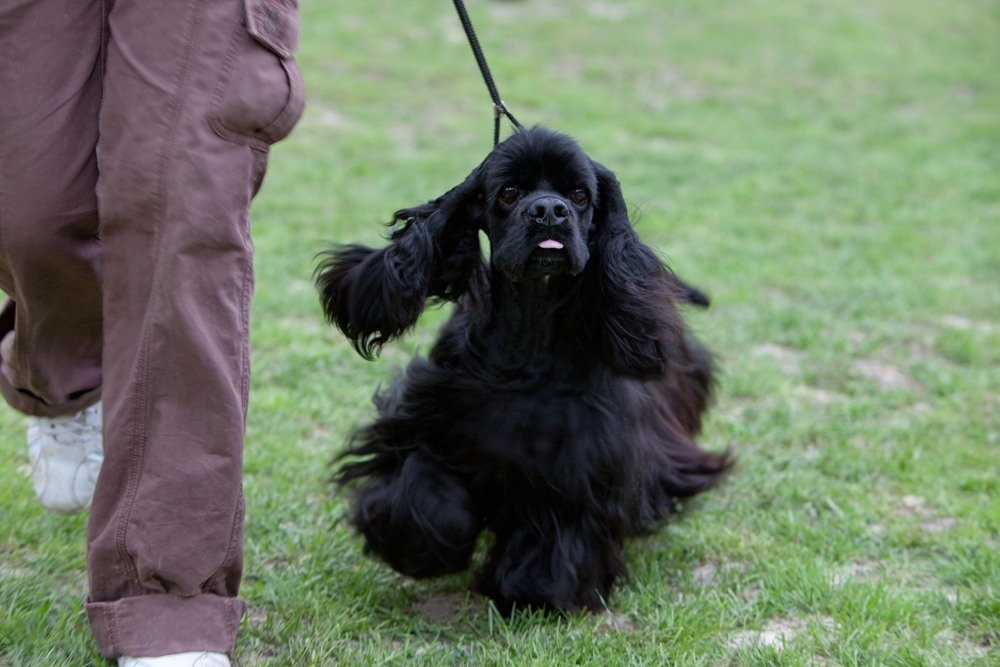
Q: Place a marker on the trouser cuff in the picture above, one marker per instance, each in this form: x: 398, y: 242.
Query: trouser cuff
x: 161, y: 624
x: 35, y: 407
x: 27, y: 403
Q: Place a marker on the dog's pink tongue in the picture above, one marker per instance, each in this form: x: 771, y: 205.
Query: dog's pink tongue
x: 550, y: 244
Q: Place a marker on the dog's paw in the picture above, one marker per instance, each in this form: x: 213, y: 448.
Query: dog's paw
x: 419, y: 520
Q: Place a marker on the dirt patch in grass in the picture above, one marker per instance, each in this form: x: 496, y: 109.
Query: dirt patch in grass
x: 785, y: 358
x: 885, y: 375
x: 256, y: 616
x: 325, y: 115
x: 915, y: 506
x: 962, y: 323
x: 939, y: 525
x: 817, y: 396
x: 857, y: 570
x: 608, y: 10
x: 752, y: 591
x: 615, y: 623
x: 673, y: 79
x: 514, y: 11
x: 13, y: 572
x: 704, y: 574
x: 967, y: 648
x: 905, y: 418
x: 442, y: 608
x: 777, y: 633
x: 732, y: 409
x: 707, y: 574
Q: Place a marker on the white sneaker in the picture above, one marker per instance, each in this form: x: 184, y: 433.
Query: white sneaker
x: 66, y: 455
x: 196, y: 659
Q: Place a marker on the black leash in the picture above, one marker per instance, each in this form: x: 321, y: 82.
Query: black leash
x: 499, y: 108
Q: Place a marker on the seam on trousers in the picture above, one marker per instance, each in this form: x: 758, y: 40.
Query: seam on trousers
x: 103, y: 55
x: 244, y: 391
x: 231, y: 625
x: 141, y: 393
x: 230, y: 556
x: 138, y: 452
x: 113, y: 626
x: 246, y: 294
x: 3, y: 199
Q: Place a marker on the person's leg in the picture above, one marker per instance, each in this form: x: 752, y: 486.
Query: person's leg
x: 191, y: 102
x: 50, y: 328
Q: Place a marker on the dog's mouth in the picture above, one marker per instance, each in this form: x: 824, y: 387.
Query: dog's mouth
x: 549, y: 257
x: 543, y: 254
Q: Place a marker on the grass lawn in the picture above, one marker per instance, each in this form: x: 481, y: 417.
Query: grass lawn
x: 828, y: 171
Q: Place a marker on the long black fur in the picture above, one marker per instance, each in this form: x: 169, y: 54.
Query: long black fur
x: 559, y: 406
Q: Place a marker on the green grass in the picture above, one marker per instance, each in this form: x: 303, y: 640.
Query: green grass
x: 830, y: 172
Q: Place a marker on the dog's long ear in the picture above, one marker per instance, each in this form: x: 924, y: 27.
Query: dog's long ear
x: 640, y: 326
x: 374, y: 295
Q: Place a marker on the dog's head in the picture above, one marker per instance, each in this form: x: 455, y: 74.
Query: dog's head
x: 548, y: 210
x: 539, y: 193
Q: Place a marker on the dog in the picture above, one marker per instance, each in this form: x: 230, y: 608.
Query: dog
x: 557, y: 409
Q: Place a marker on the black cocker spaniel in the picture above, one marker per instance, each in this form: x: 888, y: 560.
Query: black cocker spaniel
x: 559, y: 406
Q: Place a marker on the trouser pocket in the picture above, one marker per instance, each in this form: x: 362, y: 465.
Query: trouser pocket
x: 260, y: 94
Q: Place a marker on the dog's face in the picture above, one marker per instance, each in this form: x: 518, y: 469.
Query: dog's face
x: 539, y: 191
x: 548, y: 210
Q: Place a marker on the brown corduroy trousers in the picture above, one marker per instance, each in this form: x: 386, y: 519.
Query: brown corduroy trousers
x: 133, y: 135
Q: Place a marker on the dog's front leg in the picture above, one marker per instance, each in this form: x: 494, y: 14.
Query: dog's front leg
x: 555, y: 563
x: 419, y: 518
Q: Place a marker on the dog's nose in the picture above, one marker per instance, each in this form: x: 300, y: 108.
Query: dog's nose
x: 548, y: 211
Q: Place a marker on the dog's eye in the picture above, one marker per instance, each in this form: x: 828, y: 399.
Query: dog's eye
x: 509, y: 195
x: 579, y: 197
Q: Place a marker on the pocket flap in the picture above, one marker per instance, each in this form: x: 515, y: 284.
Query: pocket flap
x: 275, y: 24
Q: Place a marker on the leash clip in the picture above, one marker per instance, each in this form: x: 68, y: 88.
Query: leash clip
x: 499, y: 108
